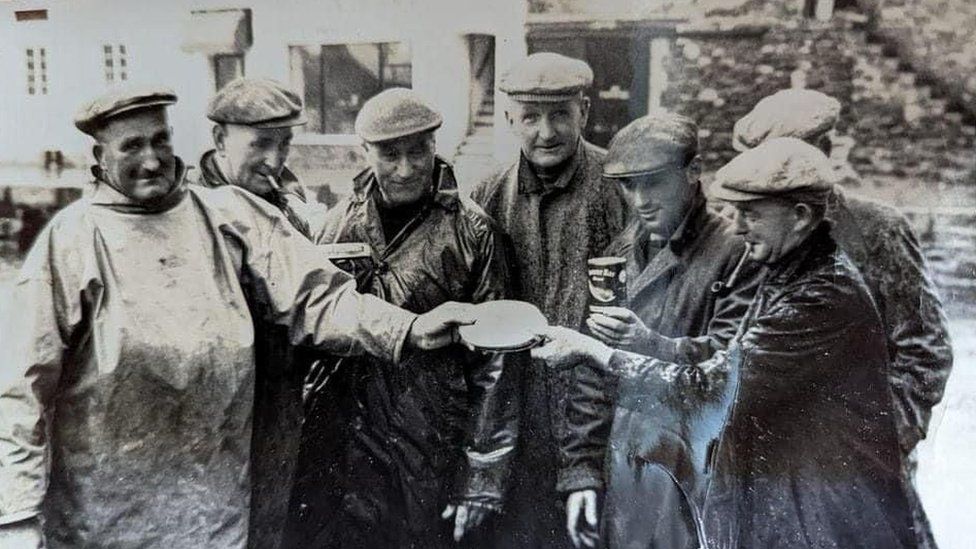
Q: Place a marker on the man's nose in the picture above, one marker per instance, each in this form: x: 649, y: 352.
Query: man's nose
x: 546, y: 131
x: 404, y: 168
x: 151, y: 161
x: 739, y: 224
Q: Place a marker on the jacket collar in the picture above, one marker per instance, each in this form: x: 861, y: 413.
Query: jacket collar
x: 211, y: 176
x: 107, y: 195
x: 445, y: 186
x: 817, y: 245
x: 529, y: 182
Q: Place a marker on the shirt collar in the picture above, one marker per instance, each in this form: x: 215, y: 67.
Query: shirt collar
x: 529, y: 182
x: 445, y: 185
x: 107, y: 195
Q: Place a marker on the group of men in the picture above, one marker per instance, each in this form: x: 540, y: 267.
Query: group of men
x: 225, y: 364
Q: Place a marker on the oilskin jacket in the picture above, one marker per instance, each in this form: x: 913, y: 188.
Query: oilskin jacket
x: 553, y: 229
x: 127, y: 386
x: 787, y: 439
x: 694, y: 290
x: 442, y: 428
x: 281, y: 368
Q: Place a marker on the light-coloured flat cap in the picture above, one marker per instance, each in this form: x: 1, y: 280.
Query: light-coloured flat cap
x: 546, y: 77
x: 94, y: 114
x: 651, y: 143
x: 395, y: 113
x: 778, y: 167
x: 259, y: 103
x: 800, y: 113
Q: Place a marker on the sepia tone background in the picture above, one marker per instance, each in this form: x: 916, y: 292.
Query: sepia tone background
x: 905, y: 71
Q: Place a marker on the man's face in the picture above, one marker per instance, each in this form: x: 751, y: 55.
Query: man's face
x: 403, y: 167
x: 660, y: 200
x: 251, y: 154
x: 549, y: 132
x: 135, y: 154
x: 770, y: 226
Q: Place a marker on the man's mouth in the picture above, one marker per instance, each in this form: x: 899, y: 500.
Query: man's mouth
x: 549, y: 148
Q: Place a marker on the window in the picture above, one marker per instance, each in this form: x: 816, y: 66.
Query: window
x: 227, y: 68
x: 116, y: 66
x: 36, y: 71
x: 31, y: 15
x: 338, y: 79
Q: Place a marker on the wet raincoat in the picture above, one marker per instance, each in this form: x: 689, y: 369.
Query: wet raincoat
x: 281, y: 369
x: 553, y: 228
x: 670, y: 288
x: 440, y: 428
x: 787, y: 439
x: 127, y: 385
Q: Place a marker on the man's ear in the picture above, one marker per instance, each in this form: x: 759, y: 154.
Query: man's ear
x: 694, y: 170
x: 97, y: 152
x: 584, y: 111
x: 219, y: 137
x: 803, y: 216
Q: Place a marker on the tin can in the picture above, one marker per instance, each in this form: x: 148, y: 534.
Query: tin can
x: 608, y: 281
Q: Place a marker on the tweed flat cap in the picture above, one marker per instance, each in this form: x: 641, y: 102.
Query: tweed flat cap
x: 94, y: 114
x: 259, y: 103
x: 803, y: 114
x: 394, y: 113
x: 546, y: 77
x: 778, y: 167
x: 651, y: 143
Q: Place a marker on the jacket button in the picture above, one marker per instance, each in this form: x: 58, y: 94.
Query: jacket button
x: 382, y: 267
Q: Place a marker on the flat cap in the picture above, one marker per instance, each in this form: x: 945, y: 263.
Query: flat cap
x: 800, y: 113
x: 781, y: 166
x: 546, y: 77
x: 94, y: 114
x: 651, y: 143
x: 394, y: 113
x: 259, y: 103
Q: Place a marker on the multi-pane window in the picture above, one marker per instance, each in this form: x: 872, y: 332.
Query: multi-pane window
x: 36, y: 71
x: 115, y: 63
x: 338, y: 79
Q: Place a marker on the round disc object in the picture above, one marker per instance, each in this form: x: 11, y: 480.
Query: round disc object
x: 504, y: 325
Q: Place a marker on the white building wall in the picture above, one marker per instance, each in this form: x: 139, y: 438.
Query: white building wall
x: 153, y: 32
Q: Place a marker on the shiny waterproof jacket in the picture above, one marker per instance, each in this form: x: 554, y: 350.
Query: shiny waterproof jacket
x: 127, y: 386
x: 553, y: 229
x: 694, y: 290
x: 442, y: 428
x: 787, y: 439
x: 281, y: 368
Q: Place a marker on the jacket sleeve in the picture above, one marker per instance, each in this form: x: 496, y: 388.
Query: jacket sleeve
x: 493, y: 384
x: 293, y: 283
x: 916, y: 327
x: 39, y: 320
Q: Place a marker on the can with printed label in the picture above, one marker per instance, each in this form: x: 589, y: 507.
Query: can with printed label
x: 608, y: 281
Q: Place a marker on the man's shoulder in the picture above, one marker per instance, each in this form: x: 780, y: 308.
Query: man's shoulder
x: 491, y: 186
x: 870, y: 213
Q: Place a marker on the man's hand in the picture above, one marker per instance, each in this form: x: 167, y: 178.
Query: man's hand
x: 25, y: 534
x: 466, y: 518
x: 438, y: 327
x: 582, y: 503
x: 616, y: 326
x: 565, y: 348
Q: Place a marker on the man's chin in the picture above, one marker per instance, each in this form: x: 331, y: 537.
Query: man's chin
x: 549, y: 158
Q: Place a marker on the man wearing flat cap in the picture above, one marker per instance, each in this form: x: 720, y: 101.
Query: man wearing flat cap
x: 557, y: 211
x: 800, y: 448
x: 883, y: 246
x: 689, y: 284
x: 435, y: 436
x: 127, y: 390
x: 254, y: 124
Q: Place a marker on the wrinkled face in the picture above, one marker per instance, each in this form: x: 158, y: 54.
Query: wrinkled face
x: 772, y: 227
x: 403, y: 167
x: 661, y: 200
x: 549, y: 132
x: 135, y: 155
x: 249, y: 155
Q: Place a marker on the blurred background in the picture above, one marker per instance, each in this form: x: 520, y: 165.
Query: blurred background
x: 905, y: 71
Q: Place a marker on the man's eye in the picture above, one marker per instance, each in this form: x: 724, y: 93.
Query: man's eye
x: 530, y: 118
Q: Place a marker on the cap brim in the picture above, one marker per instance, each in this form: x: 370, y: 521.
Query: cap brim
x: 621, y: 174
x: 380, y: 138
x: 297, y: 120
x: 544, y: 97
x: 725, y: 194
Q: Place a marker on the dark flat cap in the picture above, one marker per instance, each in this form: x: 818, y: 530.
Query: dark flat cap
x: 94, y: 114
x: 546, y: 77
x: 651, y: 143
x: 260, y: 103
x: 800, y: 113
x: 394, y: 113
x: 778, y: 167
